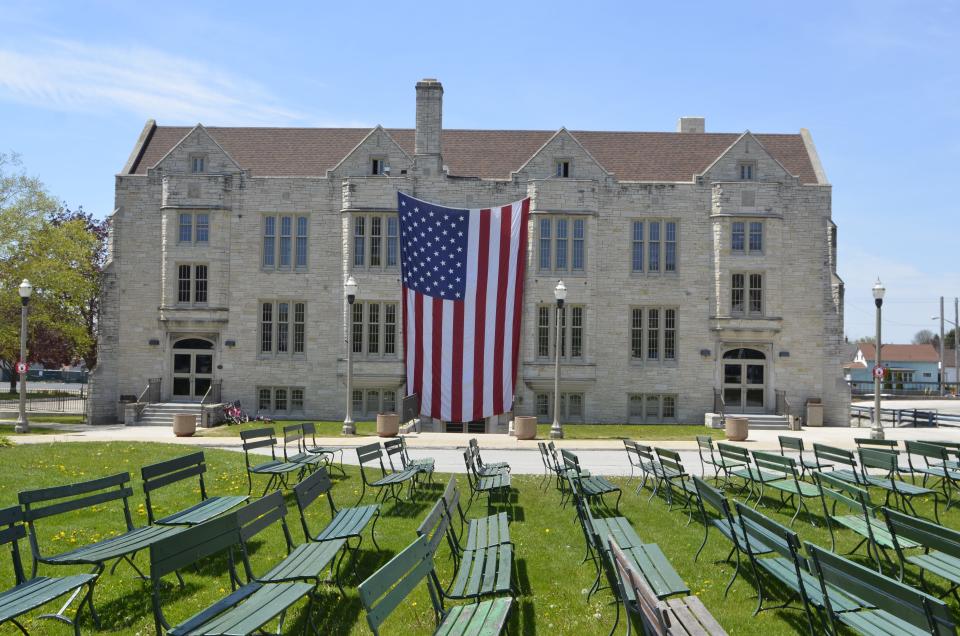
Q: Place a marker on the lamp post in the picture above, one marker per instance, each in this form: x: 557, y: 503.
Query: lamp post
x: 956, y: 349
x: 556, y: 430
x: 25, y: 290
x: 877, y: 432
x: 350, y: 289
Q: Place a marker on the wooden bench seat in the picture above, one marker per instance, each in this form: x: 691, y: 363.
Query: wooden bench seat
x: 481, y: 532
x: 276, y: 470
x: 167, y: 473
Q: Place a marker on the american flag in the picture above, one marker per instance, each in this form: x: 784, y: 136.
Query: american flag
x: 462, y: 276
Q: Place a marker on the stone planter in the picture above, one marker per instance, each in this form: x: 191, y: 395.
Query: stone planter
x: 525, y: 427
x: 388, y: 424
x: 737, y: 428
x: 184, y: 424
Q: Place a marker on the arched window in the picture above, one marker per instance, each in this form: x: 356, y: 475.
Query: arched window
x: 192, y: 343
x: 744, y: 354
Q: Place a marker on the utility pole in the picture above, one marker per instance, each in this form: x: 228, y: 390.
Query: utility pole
x: 942, y: 369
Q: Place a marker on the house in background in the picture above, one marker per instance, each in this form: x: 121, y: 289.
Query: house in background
x: 909, y: 368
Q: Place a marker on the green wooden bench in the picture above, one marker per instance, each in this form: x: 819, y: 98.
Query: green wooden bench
x: 795, y: 445
x: 480, y: 572
x: 953, y: 450
x: 859, y: 516
x: 389, y: 481
x: 389, y: 586
x: 675, y: 478
x: 161, y: 474
x: 675, y: 616
x: 480, y: 532
x: 276, y: 470
x: 941, y: 547
x: 245, y: 610
x: 396, y: 447
x: 329, y: 453
x: 484, y: 468
x: 885, y: 605
x: 293, y: 436
x: 728, y: 525
x: 345, y: 523
x: 935, y: 466
x: 752, y: 475
x: 304, y: 562
x: 788, y: 484
x: 902, y: 492
x: 485, y: 485
x: 90, y: 496
x: 546, y: 458
x: 424, y: 464
x: 593, y: 487
x: 29, y: 594
x: 717, y: 462
x: 843, y: 461
x: 642, y: 457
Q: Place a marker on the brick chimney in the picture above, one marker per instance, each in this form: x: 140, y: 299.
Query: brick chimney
x: 691, y: 125
x: 427, y: 149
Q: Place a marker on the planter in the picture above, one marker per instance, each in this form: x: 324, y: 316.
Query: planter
x: 184, y: 424
x: 388, y: 424
x: 737, y: 428
x: 525, y: 427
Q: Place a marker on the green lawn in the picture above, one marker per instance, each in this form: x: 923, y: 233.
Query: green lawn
x: 549, y: 548
x: 45, y: 419
x: 324, y: 429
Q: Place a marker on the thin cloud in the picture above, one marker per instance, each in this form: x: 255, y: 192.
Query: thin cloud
x: 71, y: 76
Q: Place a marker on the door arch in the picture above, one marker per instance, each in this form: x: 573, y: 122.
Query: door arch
x: 192, y: 369
x: 744, y: 380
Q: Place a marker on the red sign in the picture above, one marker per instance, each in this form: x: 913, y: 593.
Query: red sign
x: 22, y: 367
x: 879, y: 372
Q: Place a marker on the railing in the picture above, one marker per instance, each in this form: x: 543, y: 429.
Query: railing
x: 719, y: 404
x: 67, y: 401
x: 783, y: 404
x: 212, y: 396
x: 905, y: 417
x: 150, y: 393
x: 913, y: 389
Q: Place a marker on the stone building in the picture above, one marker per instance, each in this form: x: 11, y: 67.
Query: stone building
x: 698, y: 265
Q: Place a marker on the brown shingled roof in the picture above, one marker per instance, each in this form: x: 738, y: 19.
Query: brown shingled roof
x: 488, y: 154
x: 902, y: 353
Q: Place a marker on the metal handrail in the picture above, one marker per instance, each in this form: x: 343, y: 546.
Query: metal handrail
x: 719, y: 404
x: 144, y: 392
x: 210, y: 389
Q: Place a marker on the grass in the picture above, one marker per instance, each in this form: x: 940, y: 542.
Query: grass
x: 549, y: 547
x: 324, y: 429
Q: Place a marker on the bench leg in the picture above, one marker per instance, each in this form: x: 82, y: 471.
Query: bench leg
x: 736, y: 572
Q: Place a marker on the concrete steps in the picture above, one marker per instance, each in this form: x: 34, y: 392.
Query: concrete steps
x: 161, y: 413
x: 757, y: 422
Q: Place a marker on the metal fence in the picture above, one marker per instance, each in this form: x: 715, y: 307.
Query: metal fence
x: 905, y: 389
x: 905, y: 417
x: 67, y: 401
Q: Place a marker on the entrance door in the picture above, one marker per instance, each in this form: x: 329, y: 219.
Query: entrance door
x: 192, y: 369
x: 744, y: 381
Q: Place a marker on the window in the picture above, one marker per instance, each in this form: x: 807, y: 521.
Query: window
x: 658, y: 242
x: 376, y: 241
x: 747, y: 170
x: 203, y: 228
x: 543, y: 405
x: 197, y: 163
x: 192, y: 284
x: 745, y: 299
x: 756, y: 236
x: 658, y: 342
x: 378, y: 166
x: 651, y: 408
x: 186, y: 228
x: 277, y: 320
x: 562, y: 244
x: 193, y: 228
x: 737, y: 236
x: 756, y: 293
x: 571, y: 407
x: 291, y: 249
x: 562, y: 168
x: 280, y: 399
x: 296, y: 399
x: 571, y: 331
x: 367, y: 403
x: 374, y: 328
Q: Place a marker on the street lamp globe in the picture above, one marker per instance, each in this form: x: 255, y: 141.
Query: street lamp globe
x: 878, y: 291
x: 560, y: 293
x: 25, y: 289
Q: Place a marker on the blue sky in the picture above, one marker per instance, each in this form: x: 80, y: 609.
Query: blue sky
x: 877, y: 83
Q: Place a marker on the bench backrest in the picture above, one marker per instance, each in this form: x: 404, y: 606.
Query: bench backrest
x: 13, y: 531
x: 733, y: 453
x: 308, y: 490
x: 37, y: 503
x: 926, y: 533
x: 631, y: 447
x: 788, y: 442
x: 369, y: 454
x: 708, y: 495
x: 171, y: 471
x: 773, y: 462
x: 395, y: 447
x: 309, y: 428
x: 545, y: 455
x: 842, y: 492
x: 647, y: 453
x: 759, y: 528
x: 386, y: 589
x: 670, y: 461
x: 833, y: 455
x: 255, y: 438
x: 292, y: 434
x: 451, y: 499
x: 435, y: 526
x: 570, y: 461
x: 258, y: 516
x: 653, y: 614
x: 886, y: 444
x: 873, y: 458
x: 905, y: 602
x: 406, y: 451
x: 927, y: 450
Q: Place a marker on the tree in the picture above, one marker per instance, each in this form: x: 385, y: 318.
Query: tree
x: 865, y: 340
x: 925, y: 336
x: 949, y: 338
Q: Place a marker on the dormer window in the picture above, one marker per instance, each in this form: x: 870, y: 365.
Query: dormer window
x: 747, y: 170
x: 198, y: 163
x: 378, y: 166
x: 562, y: 168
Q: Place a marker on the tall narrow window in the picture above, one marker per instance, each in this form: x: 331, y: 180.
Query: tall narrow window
x: 737, y: 236
x: 200, y: 284
x: 756, y: 293
x: 377, y: 165
x: 264, y: 403
x: 299, y: 325
x: 578, y: 244
x: 392, y: 240
x: 280, y: 400
x: 375, y: 240
x: 669, y: 407
x: 301, y: 241
x: 197, y: 163
x: 736, y: 294
x: 563, y: 168
x: 296, y: 399
x: 543, y: 331
x: 266, y: 328
x: 653, y: 334
x: 670, y: 247
x: 203, y: 228
x: 756, y: 236
x: 286, y: 231
x: 357, y: 327
x: 269, y: 240
x: 390, y: 329
x: 636, y: 334
x: 183, y: 284
x: 747, y: 170
x: 637, y: 251
x: 545, y: 243
x: 561, y: 257
x: 389, y: 401
x: 186, y: 228
x: 283, y: 327
x: 669, y: 334
x: 652, y: 410
x: 359, y: 241
x: 635, y: 406
x: 373, y: 327
x: 357, y: 399
x: 576, y: 332
x: 654, y: 248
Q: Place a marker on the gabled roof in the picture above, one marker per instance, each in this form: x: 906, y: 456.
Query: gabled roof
x: 488, y: 154
x: 901, y: 353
